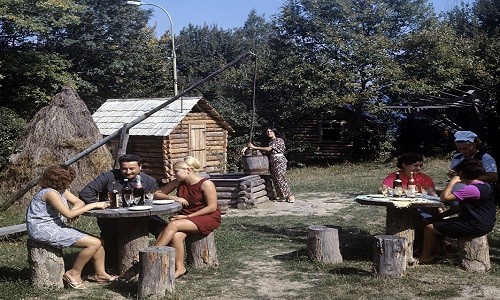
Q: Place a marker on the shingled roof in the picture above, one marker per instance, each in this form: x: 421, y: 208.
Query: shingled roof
x: 113, y: 113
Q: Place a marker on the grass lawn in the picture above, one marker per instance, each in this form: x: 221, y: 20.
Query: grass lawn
x: 265, y: 257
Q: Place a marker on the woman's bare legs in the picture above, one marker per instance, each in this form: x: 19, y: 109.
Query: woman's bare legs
x: 430, y: 238
x: 92, y: 249
x: 178, y: 244
x: 174, y: 235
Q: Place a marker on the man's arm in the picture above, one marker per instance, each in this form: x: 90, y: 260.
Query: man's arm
x: 90, y: 193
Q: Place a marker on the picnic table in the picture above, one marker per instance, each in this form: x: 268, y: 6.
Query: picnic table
x: 133, y: 234
x: 402, y: 214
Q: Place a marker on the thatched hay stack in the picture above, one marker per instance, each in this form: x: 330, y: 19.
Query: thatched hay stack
x: 57, y: 133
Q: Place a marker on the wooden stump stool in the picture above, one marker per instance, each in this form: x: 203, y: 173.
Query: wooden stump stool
x: 46, y: 265
x: 474, y: 253
x: 201, y: 251
x: 156, y: 271
x: 389, y: 255
x: 323, y: 243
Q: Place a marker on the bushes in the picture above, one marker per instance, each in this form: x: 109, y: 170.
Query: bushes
x: 11, y: 126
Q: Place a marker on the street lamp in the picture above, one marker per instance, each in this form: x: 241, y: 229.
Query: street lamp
x: 174, y: 56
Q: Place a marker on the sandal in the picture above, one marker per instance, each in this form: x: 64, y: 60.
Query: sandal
x: 93, y: 278
x: 74, y: 285
x: 291, y: 199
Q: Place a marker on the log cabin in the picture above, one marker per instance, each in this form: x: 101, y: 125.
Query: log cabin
x: 187, y: 126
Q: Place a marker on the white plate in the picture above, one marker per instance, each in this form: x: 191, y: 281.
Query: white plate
x: 376, y: 196
x: 140, y: 207
x: 163, y: 201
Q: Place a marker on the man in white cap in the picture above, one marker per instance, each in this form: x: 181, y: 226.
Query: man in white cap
x: 468, y: 144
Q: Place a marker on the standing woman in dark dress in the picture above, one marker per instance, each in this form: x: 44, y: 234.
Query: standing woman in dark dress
x: 277, y: 163
x: 199, y: 214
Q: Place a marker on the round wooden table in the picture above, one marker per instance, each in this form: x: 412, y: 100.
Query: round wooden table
x: 132, y: 234
x: 402, y: 215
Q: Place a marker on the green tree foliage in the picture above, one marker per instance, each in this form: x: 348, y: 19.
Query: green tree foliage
x: 114, y: 54
x: 31, y: 72
x: 11, y: 126
x: 330, y: 53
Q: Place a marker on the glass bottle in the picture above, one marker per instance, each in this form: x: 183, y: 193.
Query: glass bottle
x: 114, y: 199
x: 126, y: 193
x: 412, y: 186
x: 397, y: 184
x: 138, y: 191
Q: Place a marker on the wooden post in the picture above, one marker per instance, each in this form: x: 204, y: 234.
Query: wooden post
x: 46, y: 265
x: 323, y: 243
x: 201, y: 251
x: 122, y: 144
x: 401, y: 222
x: 474, y: 253
x: 156, y: 272
x: 389, y: 255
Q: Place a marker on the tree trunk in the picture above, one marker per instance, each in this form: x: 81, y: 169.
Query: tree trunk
x: 401, y: 222
x: 201, y: 251
x: 156, y: 272
x: 46, y: 265
x: 389, y: 255
x: 474, y: 253
x: 132, y: 237
x: 323, y: 243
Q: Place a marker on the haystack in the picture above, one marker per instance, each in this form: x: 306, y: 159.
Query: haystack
x: 57, y: 133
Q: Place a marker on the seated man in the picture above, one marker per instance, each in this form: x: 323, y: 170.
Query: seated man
x: 97, y: 190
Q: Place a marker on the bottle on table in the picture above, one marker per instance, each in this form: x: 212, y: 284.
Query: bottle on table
x: 397, y: 184
x: 412, y: 186
x: 138, y: 191
x: 126, y: 193
x: 114, y: 198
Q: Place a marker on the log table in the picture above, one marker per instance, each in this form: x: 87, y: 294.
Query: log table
x: 132, y: 234
x: 402, y: 215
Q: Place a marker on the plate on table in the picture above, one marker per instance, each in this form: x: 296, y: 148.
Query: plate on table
x: 433, y: 198
x: 401, y: 199
x: 375, y: 196
x: 140, y: 207
x: 163, y: 201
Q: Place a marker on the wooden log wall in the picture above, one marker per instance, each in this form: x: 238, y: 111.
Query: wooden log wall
x: 177, y: 146
x: 308, y: 134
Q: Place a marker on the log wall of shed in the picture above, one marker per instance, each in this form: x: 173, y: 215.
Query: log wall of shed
x: 177, y: 146
x: 307, y: 137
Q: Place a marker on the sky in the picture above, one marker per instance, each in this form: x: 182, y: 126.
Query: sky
x: 228, y: 14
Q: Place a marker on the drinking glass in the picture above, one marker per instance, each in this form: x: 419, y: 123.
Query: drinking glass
x: 148, y: 198
x: 385, y: 190
x: 128, y: 199
x: 424, y: 191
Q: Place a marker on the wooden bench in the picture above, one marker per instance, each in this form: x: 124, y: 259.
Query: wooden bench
x: 12, y: 229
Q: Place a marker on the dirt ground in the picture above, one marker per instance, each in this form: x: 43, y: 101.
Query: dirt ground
x: 271, y: 282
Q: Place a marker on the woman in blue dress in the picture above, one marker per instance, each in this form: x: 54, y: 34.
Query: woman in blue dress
x: 47, y: 216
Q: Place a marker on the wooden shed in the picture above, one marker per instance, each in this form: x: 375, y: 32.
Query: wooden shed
x: 187, y: 126
x: 319, y: 137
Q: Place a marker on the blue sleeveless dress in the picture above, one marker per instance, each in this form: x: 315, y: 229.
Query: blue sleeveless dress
x: 48, y: 226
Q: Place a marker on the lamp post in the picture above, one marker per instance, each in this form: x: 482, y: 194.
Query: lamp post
x: 174, y: 56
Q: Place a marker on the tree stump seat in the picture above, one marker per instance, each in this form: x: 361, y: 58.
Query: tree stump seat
x: 474, y: 253
x: 156, y: 272
x: 201, y: 250
x: 46, y: 265
x: 389, y: 255
x: 323, y: 243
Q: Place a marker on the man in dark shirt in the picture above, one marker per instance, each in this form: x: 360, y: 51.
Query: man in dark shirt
x: 113, y: 180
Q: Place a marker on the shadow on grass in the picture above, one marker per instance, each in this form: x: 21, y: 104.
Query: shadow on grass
x: 355, y: 244
x: 12, y: 274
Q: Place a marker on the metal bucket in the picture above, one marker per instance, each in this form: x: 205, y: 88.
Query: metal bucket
x: 255, y: 165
